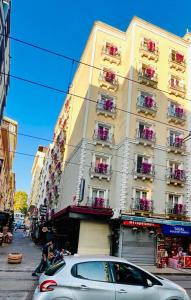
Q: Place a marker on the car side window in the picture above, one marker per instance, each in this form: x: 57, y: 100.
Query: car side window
x: 95, y: 270
x: 127, y: 274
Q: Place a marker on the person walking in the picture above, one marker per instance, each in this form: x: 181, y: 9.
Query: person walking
x: 43, y: 263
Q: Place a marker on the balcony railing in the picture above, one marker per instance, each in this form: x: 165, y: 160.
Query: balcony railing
x: 101, y: 170
x: 176, y: 115
x: 147, y: 105
x: 176, y: 145
x: 146, y: 136
x: 103, y: 137
x: 98, y: 202
x: 106, y: 107
x: 176, y: 176
x: 145, y: 171
x: 109, y: 80
x: 142, y: 204
x: 177, y: 89
x: 177, y: 209
x: 148, y: 76
x: 149, y: 50
x: 111, y: 53
x: 177, y: 62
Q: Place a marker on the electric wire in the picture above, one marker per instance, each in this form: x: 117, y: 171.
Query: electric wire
x: 78, y: 61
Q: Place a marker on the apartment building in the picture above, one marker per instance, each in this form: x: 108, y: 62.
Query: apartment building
x: 36, y: 175
x: 8, y: 143
x: 5, y: 10
x: 124, y: 168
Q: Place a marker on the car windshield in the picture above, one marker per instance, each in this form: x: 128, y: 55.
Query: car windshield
x: 55, y: 268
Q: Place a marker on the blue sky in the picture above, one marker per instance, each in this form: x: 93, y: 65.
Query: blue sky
x: 64, y: 26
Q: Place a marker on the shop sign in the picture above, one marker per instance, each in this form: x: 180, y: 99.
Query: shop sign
x: 82, y: 187
x: 154, y: 220
x: 140, y: 224
x: 176, y: 230
x: 43, y: 210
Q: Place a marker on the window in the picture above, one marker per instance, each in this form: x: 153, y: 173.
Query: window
x: 106, y: 102
x: 176, y: 139
x: 96, y: 271
x: 55, y: 268
x: 141, y: 194
x: 173, y: 200
x: 98, y: 193
x: 127, y: 274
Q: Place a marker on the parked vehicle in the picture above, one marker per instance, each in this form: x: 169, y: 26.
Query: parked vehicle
x: 104, y: 278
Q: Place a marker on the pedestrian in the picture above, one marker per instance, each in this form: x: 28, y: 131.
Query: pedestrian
x: 43, y: 263
x: 50, y: 259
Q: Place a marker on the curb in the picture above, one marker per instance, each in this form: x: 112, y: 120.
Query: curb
x: 171, y: 274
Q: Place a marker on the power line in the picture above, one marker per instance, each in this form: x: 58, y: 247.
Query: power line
x: 87, y: 99
x: 91, y: 143
x: 78, y: 164
x: 78, y: 61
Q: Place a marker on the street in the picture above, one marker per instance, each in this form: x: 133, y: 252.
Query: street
x: 16, y: 281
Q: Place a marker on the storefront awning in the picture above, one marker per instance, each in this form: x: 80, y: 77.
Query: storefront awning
x: 155, y: 220
x: 84, y: 210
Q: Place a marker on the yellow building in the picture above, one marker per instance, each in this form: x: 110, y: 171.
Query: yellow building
x: 8, y: 143
x: 123, y: 124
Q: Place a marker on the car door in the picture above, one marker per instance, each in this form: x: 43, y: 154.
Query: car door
x: 92, y: 281
x: 131, y: 283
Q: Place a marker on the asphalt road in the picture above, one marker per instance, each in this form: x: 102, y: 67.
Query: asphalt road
x: 16, y: 282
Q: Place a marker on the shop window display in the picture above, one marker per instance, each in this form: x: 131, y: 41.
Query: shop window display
x: 173, y: 252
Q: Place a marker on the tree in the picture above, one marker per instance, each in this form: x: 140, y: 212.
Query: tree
x: 20, y: 202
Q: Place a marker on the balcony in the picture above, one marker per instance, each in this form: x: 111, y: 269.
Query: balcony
x: 149, y: 50
x: 103, y: 137
x: 111, y: 54
x: 98, y: 202
x: 177, y: 211
x: 142, y: 206
x: 176, y: 145
x: 146, y: 105
x: 106, y: 107
x: 145, y: 172
x: 177, y: 62
x: 101, y: 171
x: 176, y: 115
x: 177, y: 89
x: 148, y: 76
x: 176, y: 177
x: 108, y: 80
x: 146, y: 137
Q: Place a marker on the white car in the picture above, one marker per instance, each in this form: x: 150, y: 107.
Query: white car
x: 103, y: 278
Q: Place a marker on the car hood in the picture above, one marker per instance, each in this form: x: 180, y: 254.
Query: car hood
x: 169, y: 284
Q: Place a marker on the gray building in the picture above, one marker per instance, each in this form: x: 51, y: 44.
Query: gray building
x: 5, y: 9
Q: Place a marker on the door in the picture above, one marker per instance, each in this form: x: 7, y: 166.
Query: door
x: 130, y: 283
x: 138, y: 247
x: 92, y: 281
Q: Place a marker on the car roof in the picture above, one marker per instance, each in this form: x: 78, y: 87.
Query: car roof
x: 82, y: 258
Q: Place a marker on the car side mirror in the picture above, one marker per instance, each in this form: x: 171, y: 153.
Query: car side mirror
x: 148, y: 283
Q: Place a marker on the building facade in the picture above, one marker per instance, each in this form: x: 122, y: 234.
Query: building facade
x: 8, y: 143
x: 36, y: 175
x: 5, y: 10
x: 119, y: 154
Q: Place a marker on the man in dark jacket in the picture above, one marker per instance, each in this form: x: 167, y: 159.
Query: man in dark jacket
x: 43, y: 263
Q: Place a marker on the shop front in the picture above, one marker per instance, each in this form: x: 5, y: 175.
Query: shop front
x: 174, y: 246
x: 83, y: 230
x: 137, y: 242
x: 152, y: 241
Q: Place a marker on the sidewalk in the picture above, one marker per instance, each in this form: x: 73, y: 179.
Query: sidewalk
x: 16, y: 282
x: 167, y: 271
x: 31, y: 254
